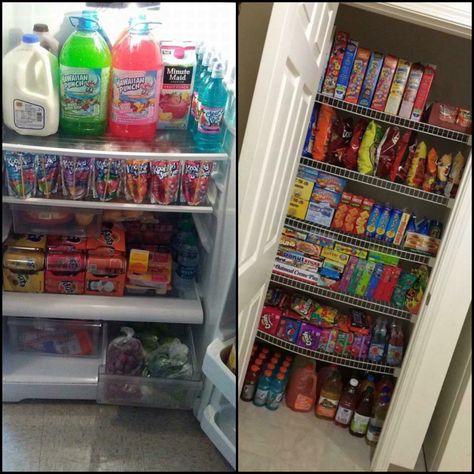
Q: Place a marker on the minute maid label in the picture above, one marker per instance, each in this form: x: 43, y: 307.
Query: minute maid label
x: 84, y: 92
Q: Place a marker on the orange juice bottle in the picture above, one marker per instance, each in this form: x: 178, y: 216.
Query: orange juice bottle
x: 331, y: 392
x: 301, y: 392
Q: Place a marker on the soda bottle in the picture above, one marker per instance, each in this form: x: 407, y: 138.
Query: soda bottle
x: 263, y: 387
x: 275, y: 394
x: 362, y: 414
x: 330, y: 395
x: 251, y: 378
x: 188, y: 264
x: 301, y: 393
x: 137, y: 68
x: 347, y: 404
x: 395, y: 345
x: 84, y: 65
x: 212, y: 100
x: 376, y: 422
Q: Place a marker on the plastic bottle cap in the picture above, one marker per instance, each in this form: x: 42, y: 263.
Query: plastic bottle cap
x: 211, y: 63
x: 280, y: 376
x: 385, y: 398
x: 267, y: 373
x: 40, y: 28
x: 308, y: 366
x: 30, y: 39
x: 354, y: 382
x: 255, y: 368
x: 271, y: 366
x: 179, y: 53
x: 217, y: 70
x: 276, y: 354
x: 283, y: 370
x: 259, y: 362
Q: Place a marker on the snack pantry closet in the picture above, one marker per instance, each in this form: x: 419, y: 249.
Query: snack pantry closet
x: 297, y: 46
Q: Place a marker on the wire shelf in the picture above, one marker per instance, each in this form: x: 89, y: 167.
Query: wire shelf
x: 395, y: 120
x: 333, y: 295
x: 324, y: 356
x: 377, y: 182
x: 365, y: 243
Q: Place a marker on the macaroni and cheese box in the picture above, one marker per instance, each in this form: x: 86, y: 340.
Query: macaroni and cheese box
x: 398, y: 86
x: 411, y: 90
x: 302, y: 189
x: 357, y: 76
x: 297, y: 208
x: 322, y: 206
x: 346, y: 68
x: 370, y: 81
x: 385, y: 81
x: 335, y: 62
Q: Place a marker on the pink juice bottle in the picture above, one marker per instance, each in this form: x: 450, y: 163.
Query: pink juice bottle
x: 137, y: 70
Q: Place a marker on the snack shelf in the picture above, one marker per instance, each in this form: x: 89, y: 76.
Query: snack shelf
x: 333, y: 295
x: 116, y: 205
x: 378, y: 182
x: 394, y: 119
x: 325, y: 357
x: 365, y: 243
x: 167, y: 145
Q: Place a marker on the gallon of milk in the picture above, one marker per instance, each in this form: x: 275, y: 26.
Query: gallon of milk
x: 31, y: 89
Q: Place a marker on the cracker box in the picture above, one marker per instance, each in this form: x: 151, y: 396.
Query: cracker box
x: 341, y: 211
x: 370, y: 81
x: 308, y: 336
x: 68, y: 284
x: 23, y: 282
x: 288, y: 329
x: 309, y: 249
x: 385, y: 81
x: 359, y: 253
x: 335, y: 256
x: 297, y: 208
x: 346, y: 69
x: 363, y: 217
x: 357, y: 76
x: 398, y: 86
x: 110, y: 241
x: 352, y: 214
x: 302, y: 189
x: 429, y: 71
x: 27, y: 241
x: 270, y: 320
x: 411, y: 90
x: 322, y: 206
x: 330, y: 182
x: 335, y: 62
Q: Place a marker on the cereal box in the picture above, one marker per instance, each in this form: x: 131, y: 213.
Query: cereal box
x: 370, y: 81
x: 385, y: 81
x: 288, y: 329
x: 335, y: 255
x: 330, y: 182
x: 341, y: 211
x: 309, y: 336
x: 297, y: 208
x: 322, y: 206
x: 398, y: 86
x: 335, y: 62
x: 346, y: 68
x: 423, y: 91
x: 363, y: 217
x: 411, y: 90
x: 352, y: 214
x: 302, y: 189
x: 357, y: 75
x: 270, y: 319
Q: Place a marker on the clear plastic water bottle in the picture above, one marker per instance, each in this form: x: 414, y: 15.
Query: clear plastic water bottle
x: 276, y: 391
x: 187, y: 265
x: 263, y: 387
x: 212, y: 101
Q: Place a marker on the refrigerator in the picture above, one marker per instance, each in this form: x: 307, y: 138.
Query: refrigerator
x: 205, y: 317
x: 295, y: 53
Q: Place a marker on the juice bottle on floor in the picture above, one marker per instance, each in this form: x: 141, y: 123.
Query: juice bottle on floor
x: 376, y: 422
x: 331, y: 392
x: 347, y: 404
x: 84, y: 65
x: 323, y: 374
x: 136, y: 77
x: 385, y: 383
x: 250, y: 384
x: 362, y: 414
x: 260, y: 397
x: 275, y: 394
x: 365, y: 384
x: 301, y: 393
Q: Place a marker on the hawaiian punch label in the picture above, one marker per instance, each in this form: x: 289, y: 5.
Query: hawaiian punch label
x: 84, y: 92
x: 210, y: 119
x: 134, y: 96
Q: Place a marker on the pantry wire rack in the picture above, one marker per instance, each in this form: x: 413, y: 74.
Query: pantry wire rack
x: 360, y: 242
x: 333, y: 295
x: 325, y: 357
x: 395, y: 120
x: 377, y: 182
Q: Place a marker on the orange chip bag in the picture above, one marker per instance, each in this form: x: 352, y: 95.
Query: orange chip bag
x: 327, y: 117
x: 430, y: 171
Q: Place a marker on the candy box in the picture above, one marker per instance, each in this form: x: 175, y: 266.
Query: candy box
x: 343, y: 341
x: 23, y: 281
x: 27, y: 241
x: 288, y: 329
x: 308, y: 336
x: 398, y: 86
x: 422, y: 243
x: 357, y: 75
x: 352, y: 214
x: 330, y: 183
x: 411, y: 90
x: 370, y: 81
x: 110, y: 241
x: 341, y: 211
x: 269, y: 320
x: 302, y: 189
x: 105, y: 285
x: 335, y: 62
x: 64, y: 283
x: 322, y: 206
x: 346, y: 68
x: 335, y: 255
x: 429, y: 71
x: 385, y: 81
x: 297, y: 208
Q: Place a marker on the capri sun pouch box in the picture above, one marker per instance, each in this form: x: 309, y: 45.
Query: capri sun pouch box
x: 398, y: 86
x: 370, y: 81
x: 346, y: 68
x: 411, y: 90
x: 335, y: 62
x: 357, y: 76
x: 423, y: 91
x: 385, y: 81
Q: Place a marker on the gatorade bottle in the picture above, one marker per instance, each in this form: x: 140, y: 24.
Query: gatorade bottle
x: 250, y: 383
x: 275, y: 394
x: 85, y: 63
x: 263, y: 387
x: 136, y: 77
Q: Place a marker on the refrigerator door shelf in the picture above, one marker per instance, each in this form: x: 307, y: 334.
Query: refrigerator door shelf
x: 6, y: 222
x: 217, y: 372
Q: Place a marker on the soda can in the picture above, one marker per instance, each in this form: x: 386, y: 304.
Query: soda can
x: 373, y: 218
x: 436, y: 228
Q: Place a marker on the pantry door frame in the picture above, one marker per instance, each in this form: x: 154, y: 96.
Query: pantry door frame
x: 282, y: 102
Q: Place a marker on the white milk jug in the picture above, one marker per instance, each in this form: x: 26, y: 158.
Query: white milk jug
x: 31, y: 89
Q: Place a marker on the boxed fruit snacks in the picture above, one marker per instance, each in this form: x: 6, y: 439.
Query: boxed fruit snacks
x: 429, y: 71
x: 322, y: 206
x: 356, y: 276
x: 370, y: 81
x: 347, y: 275
x: 411, y: 90
x: 357, y: 75
x: 288, y: 329
x: 374, y: 281
x: 364, y: 279
x: 385, y: 81
x: 398, y: 86
x: 270, y: 319
x: 387, y: 283
x: 346, y: 68
x: 309, y: 336
x: 335, y: 256
x: 335, y: 62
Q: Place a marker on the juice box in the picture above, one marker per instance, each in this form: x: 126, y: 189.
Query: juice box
x: 335, y: 62
x: 302, y: 189
x: 297, y: 208
x: 401, y: 228
x: 335, y: 256
x: 270, y: 319
x: 179, y: 65
x: 341, y: 211
x: 330, y: 182
x: 363, y: 217
x: 398, y: 86
x: 423, y: 91
x: 346, y: 68
x: 357, y: 76
x: 385, y: 81
x: 351, y: 250
x: 347, y: 275
x: 309, y: 336
x: 352, y: 214
x: 370, y: 81
x: 411, y: 90
x: 322, y: 206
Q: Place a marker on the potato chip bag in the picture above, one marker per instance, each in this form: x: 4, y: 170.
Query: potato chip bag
x: 386, y: 152
x: 430, y: 170
x: 340, y: 137
x: 349, y: 157
x: 416, y: 171
x: 401, y: 149
x: 455, y: 175
x: 326, y: 119
x: 368, y: 148
x: 442, y: 173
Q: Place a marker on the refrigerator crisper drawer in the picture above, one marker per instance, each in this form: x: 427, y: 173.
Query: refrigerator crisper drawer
x: 64, y: 338
x: 156, y: 392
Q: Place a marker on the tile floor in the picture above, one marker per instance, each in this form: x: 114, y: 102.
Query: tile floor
x: 82, y: 436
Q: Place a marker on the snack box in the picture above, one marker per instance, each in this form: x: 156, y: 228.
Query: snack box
x: 411, y: 91
x: 23, y: 260
x: 356, y: 276
x: 379, y: 257
x: 341, y: 211
x: 297, y: 208
x: 398, y: 86
x: 110, y: 241
x: 421, y: 243
x: 144, y: 261
x: 363, y: 217
x: 23, y: 281
x: 288, y: 242
x: 335, y: 62
x: 60, y: 244
x: 450, y: 117
x: 302, y: 189
x: 374, y: 281
x: 347, y: 275
x: 308, y: 274
x: 27, y: 241
x: 322, y: 207
x: 346, y: 68
x: 351, y: 250
x: 385, y: 81
x: 388, y: 280
x: 331, y: 340
x: 307, y: 173
x: 309, y: 140
x: 352, y: 214
x: 105, y: 285
x: 330, y: 183
x: 423, y: 91
x: 312, y: 250
x: 393, y: 224
x: 401, y: 228
x: 309, y: 336
x: 357, y: 75
x: 382, y: 223
x: 323, y: 242
x: 334, y: 266
x: 288, y: 329
x: 364, y: 279
x: 334, y: 255
x: 371, y: 77
x: 330, y: 273
x: 374, y: 216
x: 103, y: 265
x: 68, y: 284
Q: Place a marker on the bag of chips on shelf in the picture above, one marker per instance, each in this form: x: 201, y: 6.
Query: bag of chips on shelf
x: 402, y: 172
x: 455, y: 175
x: 442, y: 173
x: 401, y: 149
x: 368, y: 148
x: 349, y: 157
x: 340, y: 138
x: 326, y: 119
x: 430, y: 170
x: 417, y: 167
x: 386, y: 152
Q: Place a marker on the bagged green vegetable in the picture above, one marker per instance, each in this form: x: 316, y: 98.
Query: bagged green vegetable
x: 366, y: 160
x: 170, y: 360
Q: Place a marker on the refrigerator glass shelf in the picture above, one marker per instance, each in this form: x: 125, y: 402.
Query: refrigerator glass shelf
x: 362, y: 242
x: 394, y: 119
x: 333, y: 295
x: 377, y: 182
x: 324, y: 356
x: 167, y: 145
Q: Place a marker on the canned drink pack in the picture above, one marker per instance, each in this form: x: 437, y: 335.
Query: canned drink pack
x: 65, y: 262
x: 23, y: 260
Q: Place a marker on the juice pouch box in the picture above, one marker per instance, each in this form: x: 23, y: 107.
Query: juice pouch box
x: 370, y: 81
x: 179, y: 67
x: 309, y: 336
x: 363, y: 217
x: 357, y: 76
x: 398, y: 86
x: 346, y: 68
x: 341, y: 211
x: 64, y: 283
x: 411, y: 91
x: 385, y: 81
x: 423, y: 91
x: 269, y: 320
x: 322, y: 206
x: 288, y: 329
x: 335, y: 62
x: 352, y: 214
